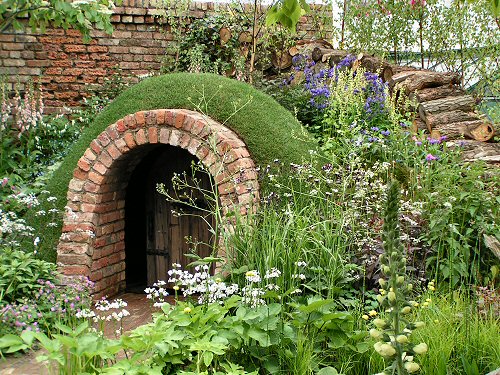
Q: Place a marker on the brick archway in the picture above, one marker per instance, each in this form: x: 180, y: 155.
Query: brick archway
x: 92, y: 240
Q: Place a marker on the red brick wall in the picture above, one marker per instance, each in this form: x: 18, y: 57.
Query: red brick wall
x: 68, y: 67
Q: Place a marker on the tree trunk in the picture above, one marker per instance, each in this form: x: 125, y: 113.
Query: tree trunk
x: 476, y: 129
x: 434, y: 120
x: 225, y: 35
x: 373, y: 64
x: 400, y: 77
x: 434, y: 93
x: 426, y: 79
x: 281, y: 60
x: 390, y: 70
x: 475, y: 150
x: 464, y: 103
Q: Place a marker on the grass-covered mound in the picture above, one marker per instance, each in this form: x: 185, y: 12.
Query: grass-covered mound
x: 270, y: 131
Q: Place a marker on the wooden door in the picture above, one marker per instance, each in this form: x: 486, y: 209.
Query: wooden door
x: 167, y: 232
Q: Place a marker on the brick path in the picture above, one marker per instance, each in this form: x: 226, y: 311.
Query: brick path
x: 140, y: 313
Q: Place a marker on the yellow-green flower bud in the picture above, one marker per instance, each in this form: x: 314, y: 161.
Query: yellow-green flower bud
x: 365, y: 317
x: 176, y: 287
x: 386, y: 269
x: 187, y: 310
x: 400, y: 280
x: 380, y: 298
x: 372, y: 313
x: 420, y: 348
x: 410, y: 286
x: 376, y: 334
x: 392, y: 296
x: 402, y: 339
x: 411, y: 367
x: 384, y: 349
x: 406, y: 310
x: 379, y: 323
x: 382, y: 282
x: 419, y: 324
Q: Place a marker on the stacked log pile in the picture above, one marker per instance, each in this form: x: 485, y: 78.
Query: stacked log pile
x: 443, y: 108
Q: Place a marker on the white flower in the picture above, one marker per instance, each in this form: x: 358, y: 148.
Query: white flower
x: 253, y: 276
x: 272, y: 273
x: 420, y: 348
x: 412, y: 367
x: 36, y: 241
x: 384, y: 349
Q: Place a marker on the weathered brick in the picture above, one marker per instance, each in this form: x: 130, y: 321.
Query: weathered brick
x: 179, y: 119
x: 105, y: 158
x: 96, y: 177
x: 84, y: 164
x: 129, y: 140
x: 13, y: 62
x: 13, y: 46
x: 153, y: 134
x: 140, y: 137
x: 113, y: 151
x: 165, y: 135
x: 71, y: 48
x: 121, y: 145
x: 80, y: 174
x: 100, y: 168
x: 70, y: 270
x: 140, y: 119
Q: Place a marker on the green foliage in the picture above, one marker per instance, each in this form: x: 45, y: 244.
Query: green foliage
x: 451, y: 36
x: 460, y: 340
x: 202, y: 50
x: 287, y: 13
x: 82, y: 15
x: 394, y: 335
x: 19, y: 273
x: 30, y: 140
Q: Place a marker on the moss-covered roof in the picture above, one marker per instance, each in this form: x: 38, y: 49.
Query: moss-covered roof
x: 270, y: 131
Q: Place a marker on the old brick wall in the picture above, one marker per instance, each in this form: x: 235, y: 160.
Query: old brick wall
x: 68, y: 67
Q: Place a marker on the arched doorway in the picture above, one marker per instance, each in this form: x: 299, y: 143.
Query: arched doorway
x: 159, y: 232
x: 93, y: 235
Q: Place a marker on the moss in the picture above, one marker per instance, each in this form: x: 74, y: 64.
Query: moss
x: 269, y: 130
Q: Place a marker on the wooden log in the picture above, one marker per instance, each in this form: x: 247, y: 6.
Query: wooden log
x: 390, y: 70
x: 281, y: 60
x: 464, y: 103
x: 475, y: 129
x: 333, y: 57
x: 401, y: 77
x: 318, y: 52
x: 293, y: 51
x: 225, y: 35
x: 245, y: 37
x: 427, y: 79
x: 418, y: 125
x: 434, y: 120
x: 434, y: 93
x: 373, y: 64
x: 472, y: 150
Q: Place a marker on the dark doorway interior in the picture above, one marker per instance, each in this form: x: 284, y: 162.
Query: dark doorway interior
x: 154, y: 236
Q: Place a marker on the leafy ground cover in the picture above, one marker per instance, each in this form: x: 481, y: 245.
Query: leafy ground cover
x: 368, y: 256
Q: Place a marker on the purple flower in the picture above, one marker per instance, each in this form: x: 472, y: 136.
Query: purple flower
x: 433, y: 141
x: 418, y: 143
x: 375, y: 129
x: 430, y: 157
x: 385, y: 133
